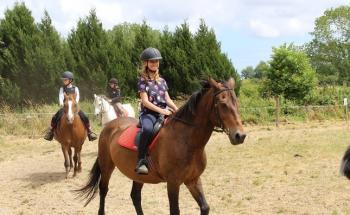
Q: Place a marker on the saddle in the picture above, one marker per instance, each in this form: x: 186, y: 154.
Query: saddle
x: 130, y: 138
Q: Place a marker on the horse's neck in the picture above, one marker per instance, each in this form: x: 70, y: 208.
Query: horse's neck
x: 201, y: 130
x: 109, y: 113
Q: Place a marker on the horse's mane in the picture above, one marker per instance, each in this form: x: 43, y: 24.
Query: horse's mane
x: 103, y: 96
x: 187, y: 111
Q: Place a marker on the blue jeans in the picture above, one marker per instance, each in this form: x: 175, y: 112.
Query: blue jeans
x: 147, y: 122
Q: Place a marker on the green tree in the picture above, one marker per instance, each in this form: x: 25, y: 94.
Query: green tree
x: 183, y: 59
x: 209, y: 59
x: 290, y: 75
x: 122, y: 39
x: 329, y: 49
x: 89, y: 47
x: 21, y: 36
x: 261, y: 69
x: 49, y: 60
x: 248, y: 72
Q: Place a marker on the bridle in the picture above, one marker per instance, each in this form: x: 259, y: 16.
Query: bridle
x: 102, y: 109
x: 221, y: 127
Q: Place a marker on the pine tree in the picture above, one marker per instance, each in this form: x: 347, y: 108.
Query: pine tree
x: 49, y: 61
x: 89, y: 47
x: 20, y: 34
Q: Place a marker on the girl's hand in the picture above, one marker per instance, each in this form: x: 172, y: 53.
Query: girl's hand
x: 166, y: 112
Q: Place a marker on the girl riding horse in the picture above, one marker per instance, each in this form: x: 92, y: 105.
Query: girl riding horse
x: 154, y: 96
x: 115, y: 97
x: 68, y: 89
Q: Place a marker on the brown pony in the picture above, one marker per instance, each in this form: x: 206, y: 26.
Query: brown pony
x: 71, y: 133
x: 178, y: 156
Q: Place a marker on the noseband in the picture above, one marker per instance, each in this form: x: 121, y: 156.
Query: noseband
x: 221, y: 126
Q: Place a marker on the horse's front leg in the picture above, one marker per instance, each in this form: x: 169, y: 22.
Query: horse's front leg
x: 173, y: 195
x: 70, y: 158
x: 79, y: 159
x: 195, y: 187
x: 66, y: 159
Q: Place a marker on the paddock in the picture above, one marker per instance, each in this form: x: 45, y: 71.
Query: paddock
x: 293, y: 169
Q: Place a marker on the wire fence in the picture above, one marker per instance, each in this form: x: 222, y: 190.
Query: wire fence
x: 35, y: 124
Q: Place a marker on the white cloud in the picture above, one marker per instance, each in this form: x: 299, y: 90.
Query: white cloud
x: 263, y: 29
x: 263, y: 18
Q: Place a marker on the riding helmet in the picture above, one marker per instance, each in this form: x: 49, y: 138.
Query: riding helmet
x: 67, y: 75
x: 151, y: 54
x: 113, y: 81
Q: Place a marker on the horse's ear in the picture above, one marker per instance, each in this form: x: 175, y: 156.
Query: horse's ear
x: 230, y: 83
x: 213, y: 83
x: 94, y: 95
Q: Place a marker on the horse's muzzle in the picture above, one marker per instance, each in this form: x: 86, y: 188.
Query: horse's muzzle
x: 237, y: 137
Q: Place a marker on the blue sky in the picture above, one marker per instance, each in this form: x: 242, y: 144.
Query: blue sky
x: 246, y: 29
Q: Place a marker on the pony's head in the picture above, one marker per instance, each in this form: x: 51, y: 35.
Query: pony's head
x: 225, y: 114
x: 97, y: 104
x: 101, y: 104
x: 70, y: 107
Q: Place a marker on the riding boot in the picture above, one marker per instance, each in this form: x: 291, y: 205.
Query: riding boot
x: 54, y: 122
x: 141, y: 165
x: 91, y: 135
x: 49, y: 135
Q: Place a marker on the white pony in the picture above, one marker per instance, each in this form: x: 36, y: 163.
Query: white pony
x: 103, y: 107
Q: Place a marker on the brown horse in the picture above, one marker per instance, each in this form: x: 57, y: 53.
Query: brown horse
x: 71, y: 133
x: 345, y: 164
x: 178, y: 156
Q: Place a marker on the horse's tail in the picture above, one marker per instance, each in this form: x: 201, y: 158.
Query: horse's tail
x: 345, y: 165
x: 90, y: 189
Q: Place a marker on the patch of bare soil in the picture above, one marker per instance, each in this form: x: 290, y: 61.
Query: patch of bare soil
x: 293, y: 169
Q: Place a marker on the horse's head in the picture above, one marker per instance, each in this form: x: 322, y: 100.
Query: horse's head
x: 101, y: 104
x: 225, y: 113
x: 70, y: 107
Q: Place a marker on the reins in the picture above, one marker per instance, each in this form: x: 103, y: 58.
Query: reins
x: 221, y: 127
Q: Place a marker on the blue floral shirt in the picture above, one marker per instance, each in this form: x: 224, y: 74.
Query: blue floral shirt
x: 155, y: 92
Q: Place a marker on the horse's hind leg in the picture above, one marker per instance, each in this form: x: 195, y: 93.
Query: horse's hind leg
x: 107, y: 167
x: 66, y: 159
x: 136, y: 196
x: 195, y: 187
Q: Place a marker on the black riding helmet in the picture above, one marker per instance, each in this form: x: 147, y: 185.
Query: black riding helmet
x: 113, y: 81
x: 67, y: 75
x: 151, y: 54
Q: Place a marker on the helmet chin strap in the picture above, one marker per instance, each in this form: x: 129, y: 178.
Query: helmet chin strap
x: 70, y: 81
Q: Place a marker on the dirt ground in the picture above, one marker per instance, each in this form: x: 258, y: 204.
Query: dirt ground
x: 290, y: 170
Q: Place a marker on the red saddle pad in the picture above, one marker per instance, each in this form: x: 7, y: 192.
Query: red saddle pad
x: 127, y: 138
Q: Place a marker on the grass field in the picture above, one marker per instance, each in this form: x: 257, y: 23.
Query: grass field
x: 293, y: 169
